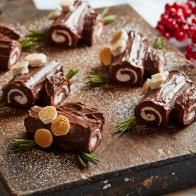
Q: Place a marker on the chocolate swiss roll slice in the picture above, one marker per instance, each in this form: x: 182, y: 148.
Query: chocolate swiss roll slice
x: 128, y: 67
x: 93, y: 27
x: 157, y: 106
x: 56, y: 88
x: 10, y: 52
x: 67, y: 29
x: 86, y: 125
x: 24, y: 90
x: 185, y: 106
x: 154, y: 62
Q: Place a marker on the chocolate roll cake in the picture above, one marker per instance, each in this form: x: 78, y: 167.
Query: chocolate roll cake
x: 185, y: 106
x: 128, y: 67
x: 154, y: 62
x: 9, y: 33
x: 24, y: 90
x: 10, y: 52
x: 157, y: 106
x: 93, y: 26
x: 56, y: 88
x: 67, y: 29
x: 86, y: 125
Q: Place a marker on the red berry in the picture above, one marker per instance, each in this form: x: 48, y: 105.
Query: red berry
x: 167, y: 35
x: 167, y: 7
x: 194, y: 21
x: 172, y: 11
x: 188, y: 48
x: 180, y: 35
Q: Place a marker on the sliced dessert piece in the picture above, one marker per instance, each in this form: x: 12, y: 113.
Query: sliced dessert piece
x: 24, y: 90
x: 10, y: 52
x: 85, y: 127
x: 128, y: 67
x: 56, y: 88
x: 185, y: 106
x: 67, y: 29
x: 157, y: 106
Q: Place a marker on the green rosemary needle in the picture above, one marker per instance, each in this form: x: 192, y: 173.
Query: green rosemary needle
x: 107, y: 19
x: 105, y: 12
x: 32, y: 40
x: 71, y: 73
x: 84, y: 158
x: 126, y: 125
x: 159, y: 43
x: 97, y: 80
x: 20, y: 144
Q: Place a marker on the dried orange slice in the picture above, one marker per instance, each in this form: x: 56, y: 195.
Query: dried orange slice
x: 43, y: 138
x: 105, y: 56
x: 60, y: 126
x: 47, y: 114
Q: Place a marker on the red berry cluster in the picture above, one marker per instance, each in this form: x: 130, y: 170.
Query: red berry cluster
x: 179, y: 21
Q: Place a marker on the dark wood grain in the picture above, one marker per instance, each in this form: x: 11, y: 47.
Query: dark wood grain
x: 146, y: 161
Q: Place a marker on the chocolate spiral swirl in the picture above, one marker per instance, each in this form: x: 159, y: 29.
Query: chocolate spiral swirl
x: 151, y: 115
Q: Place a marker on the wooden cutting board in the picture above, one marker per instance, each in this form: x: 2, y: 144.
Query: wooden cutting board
x: 145, y: 161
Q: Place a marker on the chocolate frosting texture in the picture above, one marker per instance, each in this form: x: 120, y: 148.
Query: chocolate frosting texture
x: 86, y: 127
x: 158, y: 105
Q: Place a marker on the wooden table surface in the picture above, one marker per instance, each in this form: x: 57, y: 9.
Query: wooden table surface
x: 146, y: 161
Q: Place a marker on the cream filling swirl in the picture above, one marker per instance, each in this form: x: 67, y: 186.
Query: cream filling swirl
x: 150, y: 117
x: 60, y: 36
x: 21, y: 98
x: 125, y: 77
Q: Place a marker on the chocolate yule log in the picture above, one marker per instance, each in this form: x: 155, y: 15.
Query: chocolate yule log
x: 93, y: 26
x: 10, y: 52
x: 128, y: 67
x: 154, y: 62
x: 86, y: 125
x: 67, y: 29
x: 185, y: 106
x: 9, y: 33
x: 56, y: 88
x: 24, y: 90
x: 157, y: 106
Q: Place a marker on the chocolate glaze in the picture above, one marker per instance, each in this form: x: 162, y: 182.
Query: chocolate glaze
x: 157, y: 105
x: 154, y: 62
x: 130, y: 62
x: 71, y: 23
x: 93, y: 26
x: 10, y: 52
x: 86, y: 127
x: 24, y: 90
x: 56, y: 88
x: 185, y: 106
x: 9, y: 33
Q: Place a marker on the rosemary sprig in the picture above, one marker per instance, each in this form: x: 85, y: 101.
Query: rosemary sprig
x: 105, y: 12
x: 159, y: 43
x: 84, y: 158
x: 32, y: 40
x: 20, y: 144
x: 97, y: 80
x: 107, y: 19
x: 126, y: 125
x: 71, y: 73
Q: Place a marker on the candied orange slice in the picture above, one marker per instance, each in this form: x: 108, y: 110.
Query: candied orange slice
x: 60, y: 126
x: 43, y: 138
x: 47, y: 114
x: 105, y: 56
